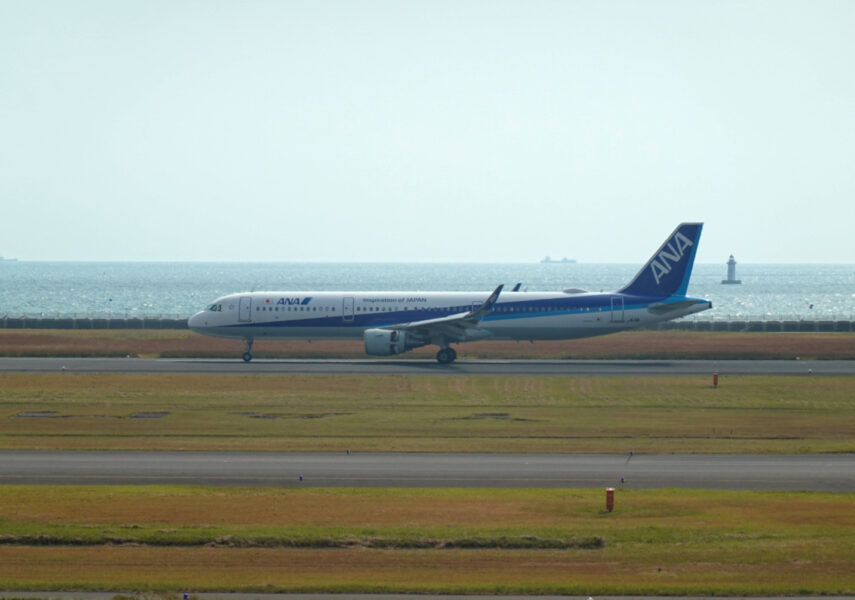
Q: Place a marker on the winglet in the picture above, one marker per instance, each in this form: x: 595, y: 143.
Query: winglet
x: 488, y: 303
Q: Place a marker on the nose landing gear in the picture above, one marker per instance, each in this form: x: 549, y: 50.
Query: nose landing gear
x: 247, y: 355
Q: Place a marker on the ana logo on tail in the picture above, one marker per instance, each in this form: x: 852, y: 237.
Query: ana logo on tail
x: 673, y: 252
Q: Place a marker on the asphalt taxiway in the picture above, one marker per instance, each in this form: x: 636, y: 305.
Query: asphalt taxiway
x: 810, y: 472
x: 430, y: 367
x: 64, y: 595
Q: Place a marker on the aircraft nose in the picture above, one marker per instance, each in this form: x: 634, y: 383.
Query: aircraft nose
x: 196, y: 321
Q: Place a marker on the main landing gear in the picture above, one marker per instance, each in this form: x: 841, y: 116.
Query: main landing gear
x: 446, y: 356
x: 247, y: 355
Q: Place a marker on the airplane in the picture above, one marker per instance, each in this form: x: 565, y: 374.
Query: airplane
x: 392, y: 323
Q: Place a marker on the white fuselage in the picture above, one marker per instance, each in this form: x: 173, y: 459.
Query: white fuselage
x: 516, y: 315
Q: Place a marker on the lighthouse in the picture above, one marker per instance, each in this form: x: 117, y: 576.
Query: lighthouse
x: 731, y: 271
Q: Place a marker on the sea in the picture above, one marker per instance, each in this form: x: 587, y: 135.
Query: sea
x: 177, y: 290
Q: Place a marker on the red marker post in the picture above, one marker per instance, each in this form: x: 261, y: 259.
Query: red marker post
x: 715, y: 379
x: 610, y: 499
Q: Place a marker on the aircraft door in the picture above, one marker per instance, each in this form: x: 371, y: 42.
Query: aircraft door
x: 245, y: 309
x: 347, y: 310
x: 617, y: 309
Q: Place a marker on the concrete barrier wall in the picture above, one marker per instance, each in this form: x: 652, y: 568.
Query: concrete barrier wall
x: 760, y: 326
x: 89, y: 323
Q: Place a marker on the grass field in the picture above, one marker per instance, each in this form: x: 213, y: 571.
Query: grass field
x: 414, y: 413
x: 633, y: 344
x: 657, y: 542
x: 393, y: 540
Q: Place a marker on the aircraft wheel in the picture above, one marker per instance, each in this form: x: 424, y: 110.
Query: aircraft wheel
x: 247, y: 354
x: 446, y: 356
x: 453, y: 354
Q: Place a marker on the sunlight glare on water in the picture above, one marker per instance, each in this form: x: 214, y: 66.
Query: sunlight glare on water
x: 180, y: 289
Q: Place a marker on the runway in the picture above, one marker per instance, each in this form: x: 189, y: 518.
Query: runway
x: 430, y: 367
x: 814, y: 472
x: 63, y: 595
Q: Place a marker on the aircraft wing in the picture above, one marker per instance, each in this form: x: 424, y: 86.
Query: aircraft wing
x: 456, y: 327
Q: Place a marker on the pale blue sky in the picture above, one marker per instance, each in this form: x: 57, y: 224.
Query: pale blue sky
x: 425, y: 131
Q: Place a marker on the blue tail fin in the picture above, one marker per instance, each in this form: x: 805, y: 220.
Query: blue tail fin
x: 668, y: 270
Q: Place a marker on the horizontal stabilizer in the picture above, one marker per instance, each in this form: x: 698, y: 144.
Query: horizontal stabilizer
x: 660, y: 308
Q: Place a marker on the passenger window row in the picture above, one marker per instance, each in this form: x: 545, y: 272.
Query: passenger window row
x: 296, y: 308
x: 450, y: 309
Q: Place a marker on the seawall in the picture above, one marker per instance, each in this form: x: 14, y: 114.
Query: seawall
x: 93, y: 323
x: 759, y: 326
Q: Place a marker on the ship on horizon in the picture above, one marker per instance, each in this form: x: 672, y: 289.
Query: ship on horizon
x: 565, y: 260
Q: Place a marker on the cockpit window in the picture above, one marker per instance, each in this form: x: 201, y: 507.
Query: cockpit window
x: 216, y: 308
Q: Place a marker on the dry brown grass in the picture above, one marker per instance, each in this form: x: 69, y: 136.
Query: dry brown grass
x: 635, y: 344
x: 498, y: 571
x: 657, y: 541
x: 426, y: 413
x: 506, y: 510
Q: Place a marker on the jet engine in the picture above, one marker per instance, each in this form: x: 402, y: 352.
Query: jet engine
x: 383, y: 342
